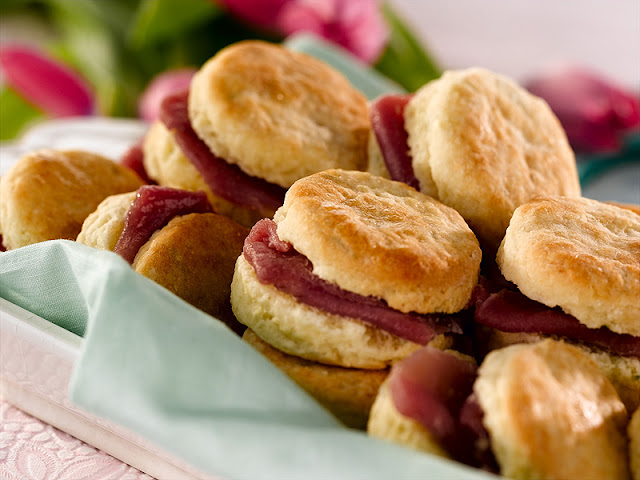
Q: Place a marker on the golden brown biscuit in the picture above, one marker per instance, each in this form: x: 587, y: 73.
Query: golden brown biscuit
x: 47, y: 194
x: 483, y: 145
x: 629, y: 206
x: 387, y: 423
x: 550, y: 413
x: 579, y: 254
x: 382, y: 238
x: 193, y: 257
x: 165, y: 163
x: 634, y: 444
x: 346, y: 392
x: 622, y: 372
x: 278, y: 114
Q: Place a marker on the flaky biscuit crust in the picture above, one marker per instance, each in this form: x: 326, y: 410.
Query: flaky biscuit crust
x: 278, y: 114
x: 166, y: 163
x: 298, y: 329
x: 579, y: 254
x: 346, y: 392
x: 551, y: 413
x: 484, y: 145
x: 382, y: 238
x: 102, y: 228
x: 47, y: 194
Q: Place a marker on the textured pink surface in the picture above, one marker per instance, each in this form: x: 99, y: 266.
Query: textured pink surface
x: 31, y: 449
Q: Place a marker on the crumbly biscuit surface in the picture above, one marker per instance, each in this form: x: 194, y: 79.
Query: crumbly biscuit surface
x: 377, y: 237
x: 484, y: 145
x: 48, y: 194
x: 279, y: 115
x: 579, y: 254
x: 551, y: 413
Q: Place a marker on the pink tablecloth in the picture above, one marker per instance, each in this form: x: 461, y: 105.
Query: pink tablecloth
x: 31, y: 449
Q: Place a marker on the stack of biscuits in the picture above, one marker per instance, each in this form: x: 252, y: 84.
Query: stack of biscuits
x: 424, y: 265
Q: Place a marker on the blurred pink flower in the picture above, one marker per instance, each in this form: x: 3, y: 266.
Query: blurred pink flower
x: 594, y: 111
x: 356, y: 25
x: 164, y: 84
x: 46, y: 83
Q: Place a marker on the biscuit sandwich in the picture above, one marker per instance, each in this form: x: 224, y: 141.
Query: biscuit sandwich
x: 573, y: 267
x: 174, y: 238
x: 542, y: 410
x: 47, y: 194
x: 476, y: 141
x: 256, y: 118
x: 356, y: 271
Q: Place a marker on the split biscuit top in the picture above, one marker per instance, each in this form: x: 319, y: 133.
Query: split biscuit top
x: 483, y: 145
x: 382, y: 238
x: 551, y: 413
x: 579, y: 254
x: 278, y: 114
x: 48, y: 194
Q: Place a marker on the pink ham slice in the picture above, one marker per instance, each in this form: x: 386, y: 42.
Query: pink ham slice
x: 430, y: 386
x: 387, y: 122
x: 152, y: 209
x: 434, y: 388
x: 223, y: 179
x: 510, y: 311
x: 134, y: 159
x: 277, y: 263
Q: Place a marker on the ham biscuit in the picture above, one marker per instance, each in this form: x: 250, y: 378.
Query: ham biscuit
x: 191, y: 254
x: 47, y: 194
x: 256, y: 118
x: 366, y: 242
x: 574, y: 264
x: 480, y: 143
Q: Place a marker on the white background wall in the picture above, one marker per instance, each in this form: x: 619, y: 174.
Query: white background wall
x: 521, y: 37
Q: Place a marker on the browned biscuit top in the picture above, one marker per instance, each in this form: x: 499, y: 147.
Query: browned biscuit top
x: 278, y: 114
x: 579, y: 254
x: 484, y: 145
x: 377, y: 237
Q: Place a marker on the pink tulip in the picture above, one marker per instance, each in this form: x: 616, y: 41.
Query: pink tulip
x: 595, y: 112
x: 166, y: 83
x: 46, y: 83
x: 356, y: 25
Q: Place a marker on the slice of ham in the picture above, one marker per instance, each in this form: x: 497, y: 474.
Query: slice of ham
x: 134, y: 159
x: 430, y: 386
x: 387, y: 122
x: 434, y: 388
x: 223, y: 179
x: 510, y: 311
x: 277, y: 263
x: 152, y: 209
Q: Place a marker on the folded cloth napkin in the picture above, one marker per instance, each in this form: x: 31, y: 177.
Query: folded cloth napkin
x: 184, y: 381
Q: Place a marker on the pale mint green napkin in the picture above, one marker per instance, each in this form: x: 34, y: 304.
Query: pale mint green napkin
x: 371, y: 83
x: 180, y: 378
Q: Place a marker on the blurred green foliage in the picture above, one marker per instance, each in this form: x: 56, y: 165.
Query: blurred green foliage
x: 118, y: 46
